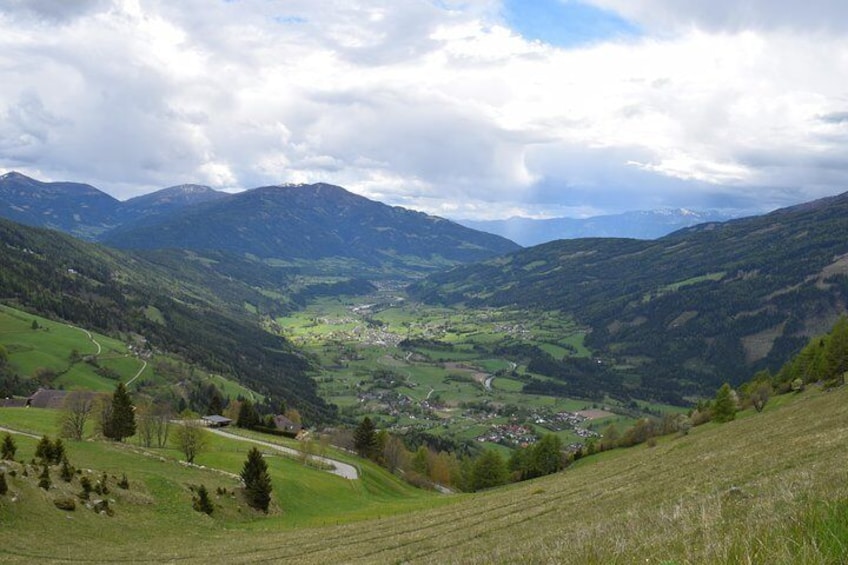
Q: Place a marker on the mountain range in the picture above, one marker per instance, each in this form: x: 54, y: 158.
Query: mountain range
x: 673, y: 316
x: 645, y: 224
x: 292, y: 222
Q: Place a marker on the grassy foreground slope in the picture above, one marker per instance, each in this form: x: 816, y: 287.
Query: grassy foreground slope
x: 767, y: 488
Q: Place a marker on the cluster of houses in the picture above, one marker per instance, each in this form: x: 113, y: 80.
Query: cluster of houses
x: 566, y: 421
x: 512, y: 435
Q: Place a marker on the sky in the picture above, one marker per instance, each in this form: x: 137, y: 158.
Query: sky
x: 476, y: 109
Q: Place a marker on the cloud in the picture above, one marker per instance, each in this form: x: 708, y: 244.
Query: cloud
x: 441, y: 105
x: 734, y: 15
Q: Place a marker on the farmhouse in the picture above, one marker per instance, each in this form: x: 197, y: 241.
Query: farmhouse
x: 216, y: 421
x: 283, y: 423
x: 43, y: 398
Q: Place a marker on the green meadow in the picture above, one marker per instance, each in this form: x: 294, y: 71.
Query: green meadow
x: 765, y: 488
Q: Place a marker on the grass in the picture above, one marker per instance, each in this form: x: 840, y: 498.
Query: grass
x: 766, y: 488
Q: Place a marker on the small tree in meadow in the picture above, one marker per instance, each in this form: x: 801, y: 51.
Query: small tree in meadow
x: 724, y: 407
x: 120, y: 421
x: 66, y: 472
x: 8, y: 448
x: 202, y: 502
x: 190, y: 438
x: 44, y: 450
x: 365, y: 438
x: 4, y: 488
x: 257, y: 481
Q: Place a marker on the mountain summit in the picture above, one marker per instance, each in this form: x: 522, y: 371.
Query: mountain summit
x: 75, y: 208
x: 315, y: 222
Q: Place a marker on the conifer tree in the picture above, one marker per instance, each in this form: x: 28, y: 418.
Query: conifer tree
x: 248, y: 417
x: 4, y: 488
x: 66, y: 472
x: 365, y: 438
x: 9, y: 448
x: 257, y: 481
x: 202, y: 502
x: 44, y: 450
x: 120, y: 422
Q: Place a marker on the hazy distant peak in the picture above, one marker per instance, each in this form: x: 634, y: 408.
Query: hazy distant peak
x: 190, y: 189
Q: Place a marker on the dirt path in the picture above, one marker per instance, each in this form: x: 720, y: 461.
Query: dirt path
x: 91, y: 337
x: 137, y: 375
x: 344, y: 470
x: 20, y: 433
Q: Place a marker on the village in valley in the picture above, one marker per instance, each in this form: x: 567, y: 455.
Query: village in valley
x: 436, y: 373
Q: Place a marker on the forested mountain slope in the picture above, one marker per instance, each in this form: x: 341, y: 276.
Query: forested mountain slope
x: 199, y: 316
x: 315, y: 222
x: 75, y: 208
x: 689, y: 311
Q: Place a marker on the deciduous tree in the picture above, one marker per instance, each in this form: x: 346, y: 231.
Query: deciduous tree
x: 724, y: 407
x: 190, y: 439
x: 489, y: 470
x: 76, y: 411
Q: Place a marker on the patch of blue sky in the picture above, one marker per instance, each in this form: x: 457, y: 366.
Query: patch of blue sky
x: 290, y: 20
x: 565, y: 23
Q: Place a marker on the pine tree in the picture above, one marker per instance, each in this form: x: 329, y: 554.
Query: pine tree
x: 365, y: 438
x: 57, y: 452
x: 202, y: 503
x: 257, y: 481
x: 120, y: 423
x: 66, y: 472
x: 9, y: 448
x: 44, y: 450
x: 248, y: 417
x: 4, y: 488
x: 724, y: 407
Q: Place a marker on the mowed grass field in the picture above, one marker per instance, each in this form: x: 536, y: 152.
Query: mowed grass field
x: 766, y: 488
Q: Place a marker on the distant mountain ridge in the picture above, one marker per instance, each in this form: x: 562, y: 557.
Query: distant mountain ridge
x: 285, y: 222
x: 85, y: 211
x: 76, y: 208
x: 646, y: 224
x: 317, y: 221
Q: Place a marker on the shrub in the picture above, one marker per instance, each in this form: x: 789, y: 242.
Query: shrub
x: 4, y: 488
x: 85, y: 483
x: 124, y: 483
x: 65, y: 503
x: 44, y: 478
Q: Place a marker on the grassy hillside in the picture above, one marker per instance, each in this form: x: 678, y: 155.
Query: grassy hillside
x: 765, y: 488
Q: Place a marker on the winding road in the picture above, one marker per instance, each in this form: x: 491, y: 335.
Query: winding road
x: 344, y: 470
